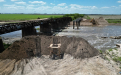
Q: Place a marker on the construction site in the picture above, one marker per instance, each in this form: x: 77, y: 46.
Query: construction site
x: 56, y: 55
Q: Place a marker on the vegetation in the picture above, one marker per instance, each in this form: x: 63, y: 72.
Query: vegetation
x: 100, y: 51
x: 110, y: 50
x: 6, y: 45
x: 107, y: 58
x: 114, y: 20
x: 37, y: 28
x: 120, y: 67
x: 117, y: 59
x: 22, y: 17
x: 87, y: 17
x: 74, y: 16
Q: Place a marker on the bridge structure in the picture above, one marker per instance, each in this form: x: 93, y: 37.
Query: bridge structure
x: 28, y: 27
x: 47, y: 26
x: 77, y: 22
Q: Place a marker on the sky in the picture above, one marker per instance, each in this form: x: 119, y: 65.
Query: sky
x: 61, y: 6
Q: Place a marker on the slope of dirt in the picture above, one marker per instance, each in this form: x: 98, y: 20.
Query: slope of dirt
x: 101, y: 21
x: 85, y: 22
x: 38, y: 45
x: 66, y: 66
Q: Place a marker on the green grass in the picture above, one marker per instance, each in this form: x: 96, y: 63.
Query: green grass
x: 120, y: 67
x: 6, y: 45
x: 116, y: 59
x: 74, y: 16
x: 100, y: 51
x: 110, y: 50
x: 22, y: 17
x: 107, y: 59
x: 114, y: 20
x: 37, y: 28
x: 87, y: 17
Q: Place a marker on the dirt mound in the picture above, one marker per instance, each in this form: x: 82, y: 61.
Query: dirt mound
x: 86, y: 22
x: 38, y: 45
x: 19, y: 49
x: 101, y: 21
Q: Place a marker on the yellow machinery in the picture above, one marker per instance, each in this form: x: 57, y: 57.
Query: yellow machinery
x: 93, y: 21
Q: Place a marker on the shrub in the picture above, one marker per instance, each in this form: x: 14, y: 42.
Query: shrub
x: 110, y: 50
x: 38, y: 28
x: 74, y: 16
x: 117, y: 59
x: 38, y: 18
x: 101, y: 51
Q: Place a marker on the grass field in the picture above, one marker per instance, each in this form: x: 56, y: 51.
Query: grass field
x: 114, y: 20
x: 22, y: 17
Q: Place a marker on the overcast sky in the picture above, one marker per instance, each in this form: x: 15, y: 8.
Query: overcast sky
x: 61, y: 6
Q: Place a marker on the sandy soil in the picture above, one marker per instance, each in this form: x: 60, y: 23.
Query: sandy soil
x: 67, y: 66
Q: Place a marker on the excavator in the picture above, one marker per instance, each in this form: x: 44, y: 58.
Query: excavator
x: 93, y: 21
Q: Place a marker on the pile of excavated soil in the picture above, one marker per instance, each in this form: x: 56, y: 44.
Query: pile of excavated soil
x: 38, y: 45
x: 101, y: 21
x: 86, y: 22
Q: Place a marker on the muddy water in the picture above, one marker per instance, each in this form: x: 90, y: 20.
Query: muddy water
x: 93, y: 35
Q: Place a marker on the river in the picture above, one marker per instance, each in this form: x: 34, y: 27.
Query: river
x: 92, y: 34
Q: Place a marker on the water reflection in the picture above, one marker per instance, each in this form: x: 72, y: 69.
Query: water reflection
x: 16, y: 34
